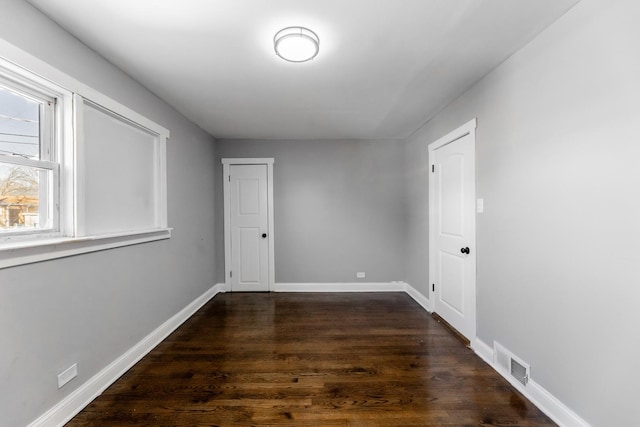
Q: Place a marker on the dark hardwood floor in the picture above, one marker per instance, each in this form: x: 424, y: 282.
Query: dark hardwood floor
x: 258, y: 359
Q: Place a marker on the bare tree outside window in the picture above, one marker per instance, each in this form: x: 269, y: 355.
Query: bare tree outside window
x: 19, y: 138
x: 19, y: 201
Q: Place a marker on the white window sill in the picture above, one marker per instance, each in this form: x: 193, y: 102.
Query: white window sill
x: 27, y: 252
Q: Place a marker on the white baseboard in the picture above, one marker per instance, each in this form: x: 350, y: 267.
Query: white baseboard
x: 418, y: 297
x: 538, y: 395
x: 483, y: 351
x: 68, y: 407
x: 340, y: 287
x: 533, y: 391
x: 356, y: 287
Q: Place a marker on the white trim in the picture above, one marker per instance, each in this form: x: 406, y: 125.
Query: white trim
x: 462, y: 131
x: 21, y: 161
x: 340, y: 287
x: 484, y: 351
x: 226, y: 163
x: 78, y: 225
x: 161, y: 181
x: 533, y: 391
x: 25, y: 61
x: 68, y: 407
x: 31, y: 251
x: 227, y: 222
x: 394, y: 286
x: 418, y: 297
x: 272, y: 234
x: 252, y: 161
x: 159, y: 135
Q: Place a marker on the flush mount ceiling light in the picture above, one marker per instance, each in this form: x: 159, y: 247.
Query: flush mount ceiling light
x: 296, y: 44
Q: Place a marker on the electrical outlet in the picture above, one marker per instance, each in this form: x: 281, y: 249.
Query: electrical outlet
x: 360, y: 275
x: 69, y: 374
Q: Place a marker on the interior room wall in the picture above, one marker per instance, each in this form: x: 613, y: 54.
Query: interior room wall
x: 338, y: 208
x: 90, y: 309
x: 557, y: 167
x: 416, y: 262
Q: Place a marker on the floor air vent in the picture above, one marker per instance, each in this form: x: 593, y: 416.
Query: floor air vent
x: 510, y: 365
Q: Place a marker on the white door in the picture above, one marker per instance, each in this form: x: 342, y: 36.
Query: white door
x: 453, y: 251
x: 249, y: 227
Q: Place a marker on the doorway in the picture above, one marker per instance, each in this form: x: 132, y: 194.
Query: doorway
x: 248, y: 224
x: 452, y: 229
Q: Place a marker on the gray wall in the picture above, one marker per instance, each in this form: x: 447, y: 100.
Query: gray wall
x: 338, y: 208
x: 416, y: 189
x: 557, y: 156
x: 90, y: 309
x: 557, y: 166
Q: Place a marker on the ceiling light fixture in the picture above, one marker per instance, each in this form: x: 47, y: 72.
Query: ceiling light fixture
x: 296, y: 44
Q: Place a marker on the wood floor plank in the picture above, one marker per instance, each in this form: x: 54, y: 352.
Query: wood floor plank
x: 261, y: 359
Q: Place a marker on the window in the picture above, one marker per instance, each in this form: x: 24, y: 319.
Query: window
x: 76, y: 167
x: 29, y: 167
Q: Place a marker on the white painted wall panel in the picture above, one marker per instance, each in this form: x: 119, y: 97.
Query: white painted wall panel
x: 120, y: 171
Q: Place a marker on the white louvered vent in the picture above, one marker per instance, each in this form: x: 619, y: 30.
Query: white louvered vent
x: 510, y: 365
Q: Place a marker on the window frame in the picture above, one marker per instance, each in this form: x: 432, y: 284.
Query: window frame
x: 65, y: 156
x: 50, y: 135
x: 52, y: 199
x: 134, y: 121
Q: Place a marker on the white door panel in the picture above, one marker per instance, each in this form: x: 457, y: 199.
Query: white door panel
x: 451, y: 194
x: 249, y: 255
x: 249, y: 196
x: 452, y: 282
x: 453, y: 231
x: 249, y: 228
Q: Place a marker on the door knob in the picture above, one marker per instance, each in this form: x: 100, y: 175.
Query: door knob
x: 465, y: 250
x: 264, y: 235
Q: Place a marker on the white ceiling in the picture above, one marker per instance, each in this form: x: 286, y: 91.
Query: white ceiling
x: 384, y: 67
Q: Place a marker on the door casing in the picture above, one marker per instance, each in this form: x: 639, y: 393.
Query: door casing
x: 226, y: 164
x: 464, y: 130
